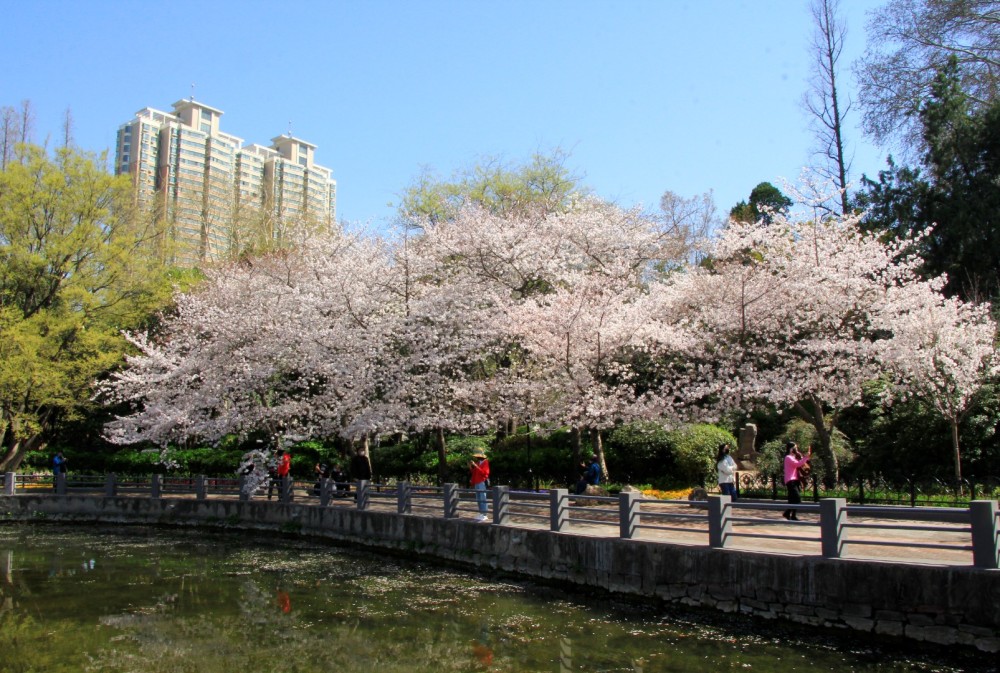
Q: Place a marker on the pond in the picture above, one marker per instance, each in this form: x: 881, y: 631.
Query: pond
x: 152, y: 600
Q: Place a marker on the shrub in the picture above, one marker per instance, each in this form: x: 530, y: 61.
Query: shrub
x: 639, y: 453
x: 522, y: 460
x: 404, y: 459
x: 694, y: 449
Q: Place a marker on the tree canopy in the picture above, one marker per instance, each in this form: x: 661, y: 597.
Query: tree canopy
x: 953, y: 200
x: 766, y: 200
x: 909, y: 41
x: 543, y: 183
x: 563, y: 317
x: 76, y: 267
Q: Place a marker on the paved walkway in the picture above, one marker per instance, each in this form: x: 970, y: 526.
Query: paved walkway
x: 893, y: 540
x: 763, y: 531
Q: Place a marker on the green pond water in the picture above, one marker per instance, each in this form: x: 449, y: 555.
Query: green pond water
x: 151, y: 601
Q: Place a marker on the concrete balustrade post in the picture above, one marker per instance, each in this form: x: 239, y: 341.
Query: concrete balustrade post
x: 404, y: 497
x: 363, y: 495
x: 501, y: 505
x: 451, y: 501
x: 111, y: 485
x: 628, y: 514
x: 244, y: 493
x: 9, y: 482
x: 832, y: 519
x: 326, y: 487
x: 201, y: 487
x: 720, y: 527
x: 558, y: 512
x: 286, y: 494
x: 156, y: 486
x: 61, y: 483
x: 985, y: 535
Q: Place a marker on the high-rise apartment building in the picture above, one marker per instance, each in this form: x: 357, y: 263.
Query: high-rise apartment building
x: 215, y: 193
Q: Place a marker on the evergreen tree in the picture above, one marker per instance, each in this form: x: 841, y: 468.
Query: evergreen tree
x: 955, y: 200
x: 766, y: 200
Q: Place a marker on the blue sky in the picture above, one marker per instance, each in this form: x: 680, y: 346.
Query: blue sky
x: 645, y: 95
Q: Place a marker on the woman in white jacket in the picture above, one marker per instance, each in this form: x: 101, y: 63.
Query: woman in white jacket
x: 727, y: 472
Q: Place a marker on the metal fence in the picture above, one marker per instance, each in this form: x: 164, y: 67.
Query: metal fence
x: 832, y: 527
x: 877, y: 490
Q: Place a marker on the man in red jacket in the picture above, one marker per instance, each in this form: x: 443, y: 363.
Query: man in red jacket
x: 280, y: 472
x: 284, y: 464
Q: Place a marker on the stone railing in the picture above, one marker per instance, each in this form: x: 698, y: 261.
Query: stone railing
x: 840, y: 529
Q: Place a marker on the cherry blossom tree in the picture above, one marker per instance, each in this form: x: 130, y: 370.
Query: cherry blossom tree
x: 586, y: 317
x: 788, y: 312
x: 561, y: 290
x: 435, y: 356
x: 278, y: 344
x: 942, y: 350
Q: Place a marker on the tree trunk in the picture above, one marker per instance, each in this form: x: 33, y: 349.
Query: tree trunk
x: 598, y: 446
x: 577, y: 451
x: 366, y: 446
x: 831, y: 470
x: 442, y: 456
x: 15, y: 455
x: 958, y: 456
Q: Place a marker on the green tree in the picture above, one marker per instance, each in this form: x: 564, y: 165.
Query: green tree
x: 76, y: 267
x: 955, y: 197
x: 543, y: 183
x: 765, y: 200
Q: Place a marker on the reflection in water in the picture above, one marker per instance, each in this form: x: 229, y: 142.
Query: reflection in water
x: 284, y: 601
x: 482, y: 648
x: 151, y: 602
x: 565, y: 655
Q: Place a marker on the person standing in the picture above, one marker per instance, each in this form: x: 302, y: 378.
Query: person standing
x: 284, y: 464
x: 793, y: 461
x: 322, y: 471
x: 58, y: 467
x: 361, y: 467
x: 272, y: 471
x: 58, y: 464
x: 726, y: 466
x: 480, y: 475
x: 280, y: 473
x: 339, y: 480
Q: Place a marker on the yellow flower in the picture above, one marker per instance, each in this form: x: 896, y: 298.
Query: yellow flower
x: 679, y: 494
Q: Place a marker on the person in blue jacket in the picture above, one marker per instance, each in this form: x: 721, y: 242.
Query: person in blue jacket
x: 594, y: 472
x: 59, y: 464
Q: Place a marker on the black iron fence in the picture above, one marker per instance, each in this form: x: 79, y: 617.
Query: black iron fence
x: 876, y: 490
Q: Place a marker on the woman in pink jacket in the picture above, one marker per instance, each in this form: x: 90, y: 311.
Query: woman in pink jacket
x: 793, y: 461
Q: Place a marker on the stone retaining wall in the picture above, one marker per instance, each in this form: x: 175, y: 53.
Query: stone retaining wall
x: 939, y: 604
